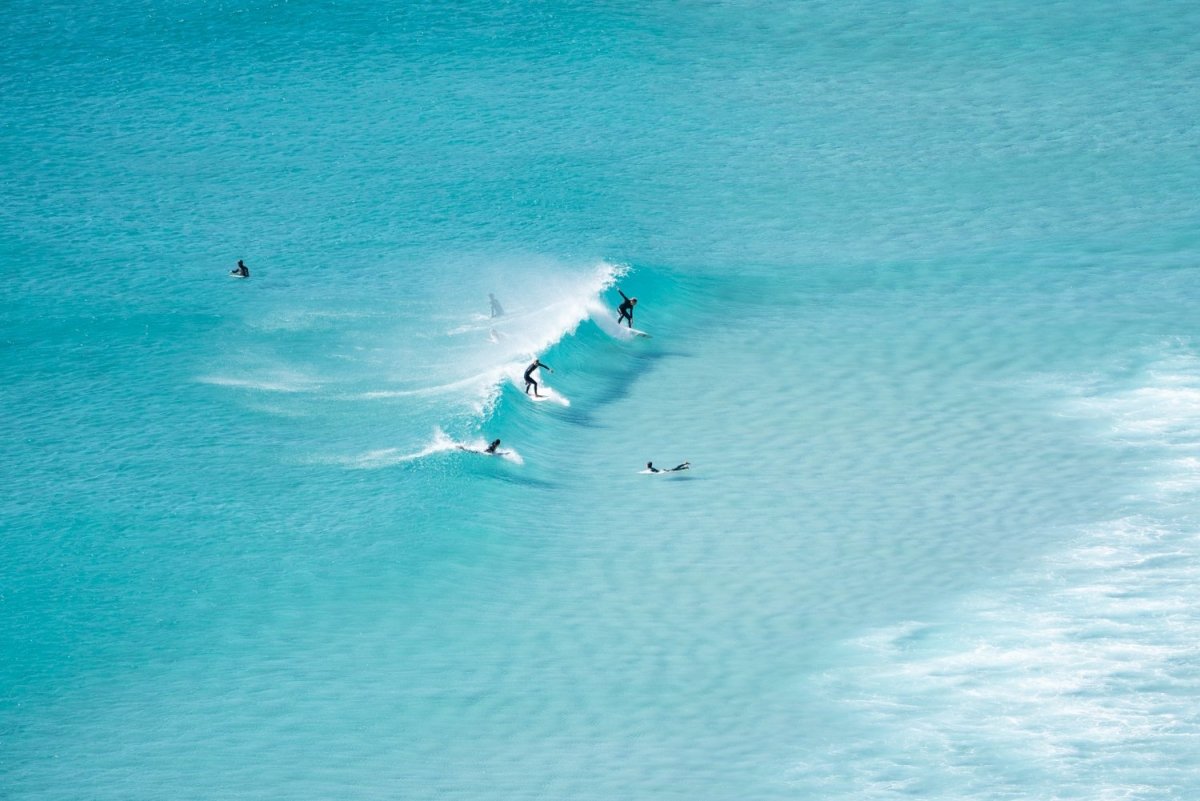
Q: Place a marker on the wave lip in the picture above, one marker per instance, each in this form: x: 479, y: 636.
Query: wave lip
x: 551, y: 310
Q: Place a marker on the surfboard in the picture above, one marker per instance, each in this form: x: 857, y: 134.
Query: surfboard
x: 546, y: 394
x: 638, y: 333
x: 483, y: 452
x: 662, y: 471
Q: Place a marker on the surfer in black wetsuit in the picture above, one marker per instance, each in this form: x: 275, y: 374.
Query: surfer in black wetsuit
x: 492, y: 448
x: 529, y: 382
x: 685, y: 466
x: 497, y: 309
x: 625, y: 310
x: 242, y: 271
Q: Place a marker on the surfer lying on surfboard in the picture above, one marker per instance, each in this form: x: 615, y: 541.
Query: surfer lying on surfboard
x: 490, y: 450
x: 529, y: 381
x: 625, y: 310
x: 651, y: 468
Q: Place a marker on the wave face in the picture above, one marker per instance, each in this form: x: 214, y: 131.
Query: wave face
x: 920, y: 296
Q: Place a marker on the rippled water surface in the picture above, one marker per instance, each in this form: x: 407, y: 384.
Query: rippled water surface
x: 920, y: 291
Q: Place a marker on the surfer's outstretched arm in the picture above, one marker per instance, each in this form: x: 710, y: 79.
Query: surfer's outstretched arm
x: 622, y: 294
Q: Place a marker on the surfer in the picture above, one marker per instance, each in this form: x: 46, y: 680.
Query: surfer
x: 685, y: 466
x: 529, y: 382
x: 241, y: 271
x: 497, y: 309
x: 625, y: 310
x: 492, y: 448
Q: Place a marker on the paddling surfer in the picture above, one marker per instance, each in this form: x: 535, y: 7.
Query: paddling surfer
x: 685, y: 466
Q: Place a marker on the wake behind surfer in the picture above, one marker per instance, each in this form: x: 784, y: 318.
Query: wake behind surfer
x: 241, y: 271
x: 529, y: 380
x: 625, y: 310
x: 684, y: 466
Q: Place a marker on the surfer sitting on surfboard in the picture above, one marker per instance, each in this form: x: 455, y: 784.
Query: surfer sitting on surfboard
x: 685, y: 466
x: 529, y: 382
x: 625, y: 310
x: 241, y: 271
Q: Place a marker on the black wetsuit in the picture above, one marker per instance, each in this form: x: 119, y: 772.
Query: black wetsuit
x: 529, y: 377
x: 241, y: 270
x: 625, y: 310
x: 497, y: 309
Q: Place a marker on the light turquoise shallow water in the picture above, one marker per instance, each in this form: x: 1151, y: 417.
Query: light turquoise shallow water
x: 920, y: 284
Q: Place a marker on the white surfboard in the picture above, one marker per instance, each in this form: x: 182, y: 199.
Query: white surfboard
x: 484, y: 451
x: 545, y: 394
x: 664, y: 471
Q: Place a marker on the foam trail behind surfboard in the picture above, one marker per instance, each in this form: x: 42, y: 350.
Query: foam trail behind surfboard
x: 441, y: 443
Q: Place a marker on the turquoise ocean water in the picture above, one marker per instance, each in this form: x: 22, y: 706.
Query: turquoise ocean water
x: 921, y: 284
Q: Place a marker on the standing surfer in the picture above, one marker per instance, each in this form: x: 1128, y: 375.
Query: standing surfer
x: 625, y: 310
x: 497, y: 309
x: 529, y: 382
x: 492, y: 448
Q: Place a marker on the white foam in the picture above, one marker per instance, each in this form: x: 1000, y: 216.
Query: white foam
x: 1080, y: 674
x: 1159, y: 416
x: 277, y: 381
x: 441, y: 443
x: 557, y: 306
x: 1075, y: 679
x: 515, y: 372
x: 478, y: 381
